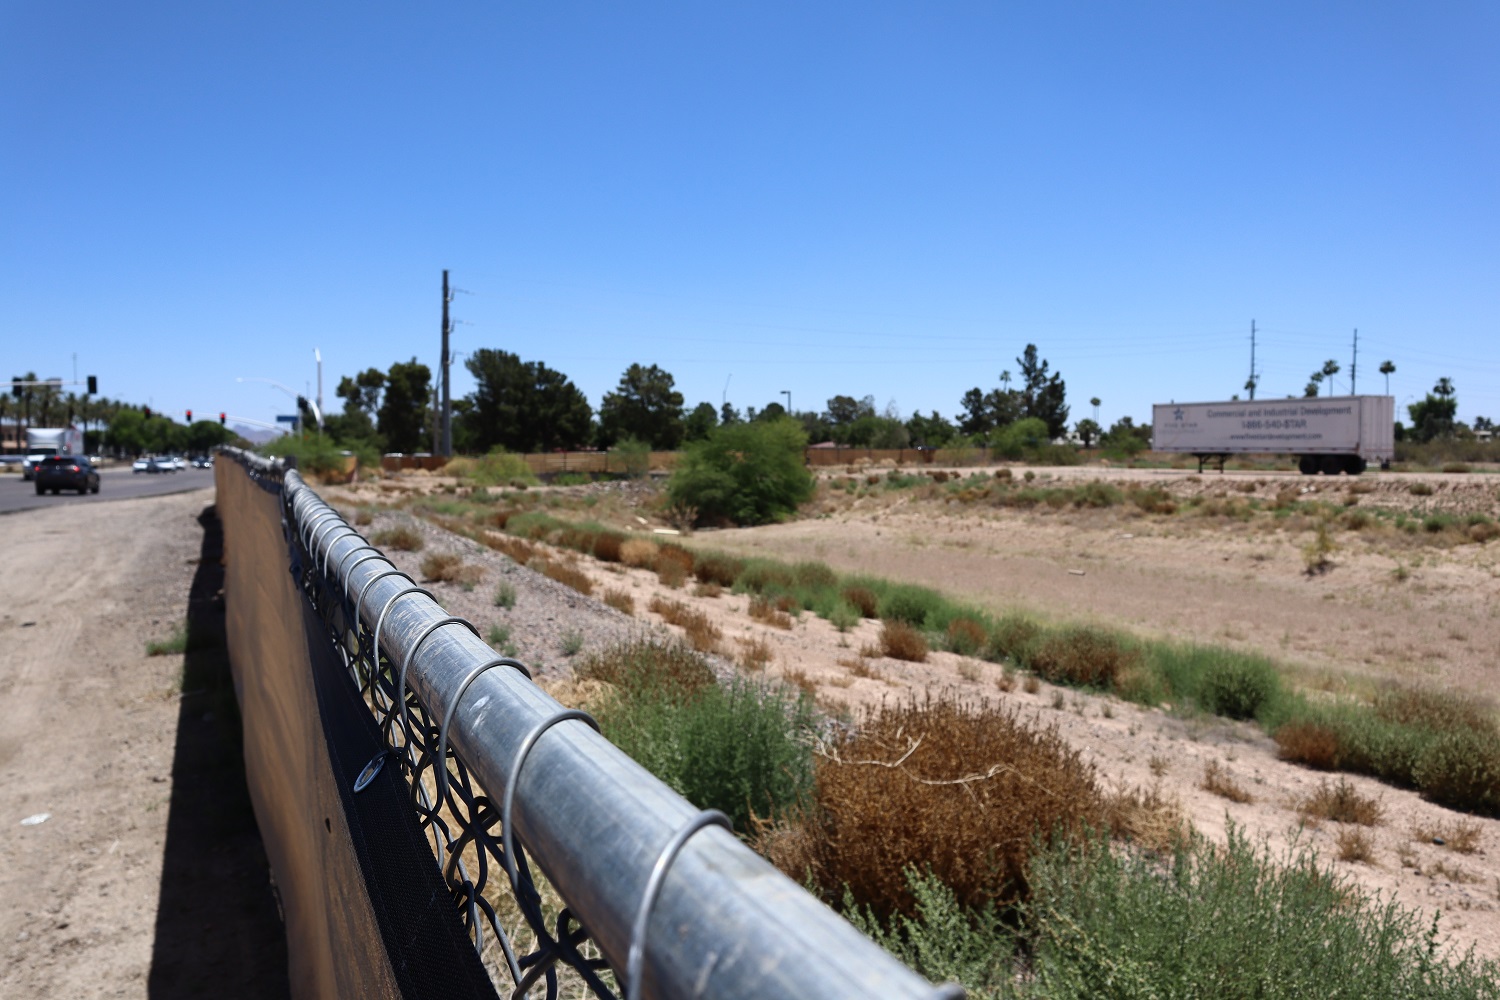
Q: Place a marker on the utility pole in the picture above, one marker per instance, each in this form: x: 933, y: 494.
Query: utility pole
x: 1354, y: 365
x: 446, y: 448
x: 1251, y: 384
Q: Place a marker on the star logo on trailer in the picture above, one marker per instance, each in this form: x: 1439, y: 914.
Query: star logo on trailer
x: 1177, y: 413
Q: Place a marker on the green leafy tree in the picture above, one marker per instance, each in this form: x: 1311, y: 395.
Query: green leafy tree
x: 524, y: 406
x: 1088, y: 431
x: 403, y: 409
x: 746, y: 473
x: 984, y: 412
x: 127, y: 432
x: 361, y: 396
x: 729, y: 415
x: 201, y: 435
x: 1043, y: 396
x: 930, y: 432
x: 773, y: 411
x: 1126, y: 437
x: 1434, y: 417
x: 844, y: 410
x: 644, y: 405
x: 700, y: 423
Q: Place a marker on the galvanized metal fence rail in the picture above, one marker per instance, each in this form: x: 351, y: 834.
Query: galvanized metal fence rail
x: 659, y: 898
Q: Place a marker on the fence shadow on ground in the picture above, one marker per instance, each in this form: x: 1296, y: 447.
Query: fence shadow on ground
x: 218, y: 931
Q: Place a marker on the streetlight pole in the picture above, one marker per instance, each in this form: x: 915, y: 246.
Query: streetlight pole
x: 788, y: 394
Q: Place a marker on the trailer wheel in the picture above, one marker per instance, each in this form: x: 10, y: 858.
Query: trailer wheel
x: 1355, y: 465
x: 1333, y: 464
x: 1307, y: 464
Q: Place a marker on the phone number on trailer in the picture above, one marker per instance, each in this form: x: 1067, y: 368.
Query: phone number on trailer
x: 1273, y: 425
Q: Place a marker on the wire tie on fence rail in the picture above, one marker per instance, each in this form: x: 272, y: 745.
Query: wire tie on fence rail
x: 473, y: 675
x: 328, y: 530
x: 334, y: 536
x: 371, y: 770
x: 635, y: 964
x: 311, y: 524
x: 380, y: 619
x: 411, y: 653
x: 507, y: 832
x: 345, y: 575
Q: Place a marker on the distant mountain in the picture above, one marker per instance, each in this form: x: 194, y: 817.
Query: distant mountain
x: 257, y: 435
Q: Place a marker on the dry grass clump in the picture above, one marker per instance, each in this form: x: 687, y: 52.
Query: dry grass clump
x: 702, y: 634
x: 364, y: 516
x: 638, y: 552
x: 755, y: 654
x: 568, y: 576
x: 707, y: 590
x: 517, y: 549
x: 800, y: 680
x: 1462, y: 835
x: 1219, y: 781
x: 858, y: 666
x: 965, y: 791
x: 900, y: 641
x: 1354, y: 845
x: 449, y: 567
x: 403, y: 538
x: 1147, y: 817
x: 765, y: 611
x: 1309, y: 743
x: 620, y: 600
x: 672, y: 565
x: 1341, y: 803
x: 647, y: 663
x: 864, y: 600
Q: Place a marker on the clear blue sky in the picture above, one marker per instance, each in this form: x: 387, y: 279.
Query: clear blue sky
x: 858, y: 198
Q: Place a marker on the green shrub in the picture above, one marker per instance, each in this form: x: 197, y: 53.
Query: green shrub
x: 1237, y: 685
x: 844, y: 616
x: 498, y: 468
x: 631, y: 456
x: 910, y: 604
x: 1461, y: 768
x: 740, y: 749
x: 744, y: 473
x: 314, y: 453
x: 1014, y: 440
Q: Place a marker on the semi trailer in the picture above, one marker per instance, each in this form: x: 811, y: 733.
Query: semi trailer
x: 1329, y: 434
x: 44, y: 442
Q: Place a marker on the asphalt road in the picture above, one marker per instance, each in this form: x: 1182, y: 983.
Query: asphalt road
x: 16, y: 494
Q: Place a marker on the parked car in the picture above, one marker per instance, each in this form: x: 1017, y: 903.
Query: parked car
x: 66, y: 472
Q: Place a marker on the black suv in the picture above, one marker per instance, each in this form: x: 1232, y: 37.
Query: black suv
x: 66, y: 472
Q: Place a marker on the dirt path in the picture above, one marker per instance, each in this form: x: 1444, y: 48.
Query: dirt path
x: 147, y: 878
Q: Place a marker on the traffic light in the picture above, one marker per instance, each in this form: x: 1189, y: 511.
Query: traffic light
x: 93, y: 385
x: 190, y: 416
x: 221, y: 419
x: 146, y: 411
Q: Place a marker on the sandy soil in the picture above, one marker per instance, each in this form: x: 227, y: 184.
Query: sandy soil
x: 147, y: 878
x: 1207, y: 579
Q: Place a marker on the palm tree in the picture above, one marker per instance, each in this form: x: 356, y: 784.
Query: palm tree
x: 1315, y: 382
x: 1444, y: 387
x: 1330, y: 369
x: 1386, y: 367
x: 1005, y: 379
x: 1094, y: 402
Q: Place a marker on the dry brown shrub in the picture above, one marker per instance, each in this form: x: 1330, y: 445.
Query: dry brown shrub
x: 672, y: 564
x: 1031, y: 685
x: 962, y: 790
x: 707, y: 590
x: 968, y: 670
x: 800, y: 680
x: 720, y: 569
x: 755, y: 654
x: 863, y: 600
x: 403, y: 538
x: 364, y: 516
x: 1006, y: 681
x: 1219, y: 781
x: 939, y: 476
x: 1308, y: 743
x: 1004, y: 474
x: 568, y: 576
x: 702, y: 634
x: 1080, y: 656
x: 501, y: 518
x: 763, y: 610
x: 442, y: 566
x: 1462, y: 835
x: 638, y: 552
x: 966, y: 636
x: 1484, y: 531
x: 620, y: 600
x: 900, y: 641
x: 1147, y: 817
x: 1355, y: 844
x: 1341, y: 803
x: 607, y: 546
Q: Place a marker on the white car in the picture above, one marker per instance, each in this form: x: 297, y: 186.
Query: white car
x: 140, y: 465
